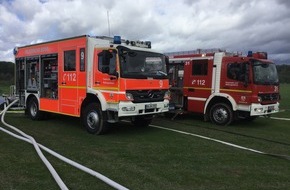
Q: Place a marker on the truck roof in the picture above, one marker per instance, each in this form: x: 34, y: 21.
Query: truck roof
x: 99, y: 40
x: 52, y: 41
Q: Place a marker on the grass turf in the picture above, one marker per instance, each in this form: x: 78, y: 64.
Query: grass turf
x: 151, y: 158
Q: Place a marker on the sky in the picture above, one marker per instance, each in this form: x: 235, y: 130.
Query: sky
x: 171, y: 25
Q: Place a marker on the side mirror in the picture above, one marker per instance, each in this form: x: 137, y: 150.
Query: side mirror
x: 167, y: 63
x: 247, y: 73
x: 166, y: 60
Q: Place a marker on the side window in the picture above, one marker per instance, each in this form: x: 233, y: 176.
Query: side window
x: 70, y: 60
x: 236, y: 71
x: 100, y: 61
x: 107, y: 62
x: 82, y: 60
x: 112, y: 65
x: 199, y: 67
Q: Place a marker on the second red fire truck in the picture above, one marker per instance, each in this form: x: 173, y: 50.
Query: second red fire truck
x: 222, y: 86
x: 99, y: 79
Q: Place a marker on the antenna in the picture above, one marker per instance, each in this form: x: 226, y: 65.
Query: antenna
x: 108, y: 17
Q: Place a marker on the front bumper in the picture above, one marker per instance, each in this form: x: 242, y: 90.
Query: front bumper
x: 258, y: 109
x: 134, y: 109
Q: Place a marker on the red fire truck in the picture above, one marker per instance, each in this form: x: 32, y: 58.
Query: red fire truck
x: 223, y: 86
x: 99, y: 79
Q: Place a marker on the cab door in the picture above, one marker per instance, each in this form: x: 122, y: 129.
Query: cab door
x: 68, y: 81
x: 197, y: 83
x: 105, y: 73
x: 236, y: 81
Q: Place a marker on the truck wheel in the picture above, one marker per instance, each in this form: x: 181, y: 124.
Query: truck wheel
x: 221, y: 114
x: 93, y: 119
x: 33, y: 109
x: 141, y: 121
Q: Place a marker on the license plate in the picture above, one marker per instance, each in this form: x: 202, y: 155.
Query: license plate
x: 270, y: 108
x: 150, y: 106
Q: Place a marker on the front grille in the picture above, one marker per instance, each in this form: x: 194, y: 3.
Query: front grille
x: 142, y: 96
x: 269, y: 97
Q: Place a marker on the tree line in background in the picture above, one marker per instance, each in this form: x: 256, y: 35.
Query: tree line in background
x: 284, y: 73
x: 7, y: 73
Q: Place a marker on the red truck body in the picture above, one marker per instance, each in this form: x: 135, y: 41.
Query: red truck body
x: 224, y: 87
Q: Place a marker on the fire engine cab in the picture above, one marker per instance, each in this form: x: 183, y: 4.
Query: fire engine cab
x: 223, y: 86
x: 99, y: 79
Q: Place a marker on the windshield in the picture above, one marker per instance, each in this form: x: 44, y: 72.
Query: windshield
x: 265, y: 73
x: 141, y: 64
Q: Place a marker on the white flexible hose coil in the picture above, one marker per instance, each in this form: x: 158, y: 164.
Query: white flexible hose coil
x: 36, y: 147
x: 71, y: 162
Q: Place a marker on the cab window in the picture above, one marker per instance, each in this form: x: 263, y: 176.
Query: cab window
x: 236, y: 71
x: 199, y: 67
x: 107, y: 61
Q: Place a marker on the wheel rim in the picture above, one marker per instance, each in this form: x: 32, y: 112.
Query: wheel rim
x: 220, y: 115
x: 93, y: 120
x: 33, y: 109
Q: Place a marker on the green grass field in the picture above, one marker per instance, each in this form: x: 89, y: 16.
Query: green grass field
x: 151, y: 158
x: 285, y: 101
x: 5, y: 87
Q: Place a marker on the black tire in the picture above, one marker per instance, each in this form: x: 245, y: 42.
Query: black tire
x: 221, y: 114
x: 2, y: 106
x: 141, y: 121
x: 33, y: 109
x: 93, y: 119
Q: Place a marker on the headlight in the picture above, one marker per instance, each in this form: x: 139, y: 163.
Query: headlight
x: 129, y: 96
x: 167, y: 95
x: 260, y: 110
x: 128, y: 108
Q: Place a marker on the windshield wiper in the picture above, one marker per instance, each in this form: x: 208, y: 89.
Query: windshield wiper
x: 162, y: 73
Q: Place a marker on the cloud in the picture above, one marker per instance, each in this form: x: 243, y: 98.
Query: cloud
x: 234, y: 25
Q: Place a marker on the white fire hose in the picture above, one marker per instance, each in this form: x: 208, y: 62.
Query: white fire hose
x: 37, y: 147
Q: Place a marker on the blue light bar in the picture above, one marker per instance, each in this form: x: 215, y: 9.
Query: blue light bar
x: 117, y: 39
x: 250, y: 54
x: 15, y: 50
x: 148, y: 43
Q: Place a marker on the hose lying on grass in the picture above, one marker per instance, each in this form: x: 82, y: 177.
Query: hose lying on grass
x: 223, y: 142
x: 37, y: 146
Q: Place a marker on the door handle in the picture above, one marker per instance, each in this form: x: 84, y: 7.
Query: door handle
x: 97, y: 82
x: 63, y: 83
